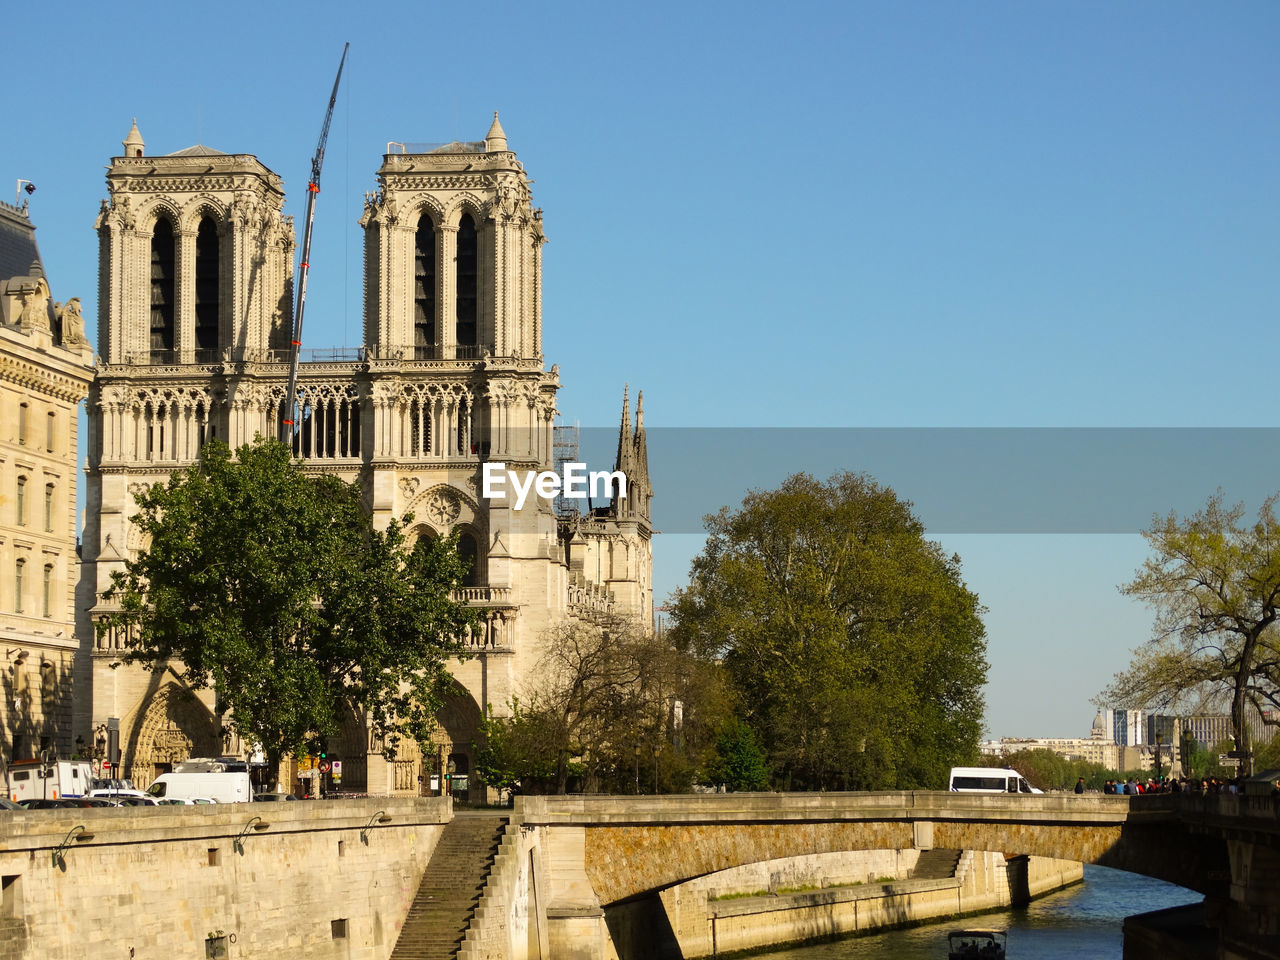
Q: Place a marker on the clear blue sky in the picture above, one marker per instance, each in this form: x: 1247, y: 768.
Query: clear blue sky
x: 853, y: 214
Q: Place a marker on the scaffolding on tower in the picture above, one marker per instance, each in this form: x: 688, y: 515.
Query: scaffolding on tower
x: 564, y: 445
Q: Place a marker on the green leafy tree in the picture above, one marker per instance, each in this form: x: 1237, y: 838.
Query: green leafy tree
x: 1042, y: 768
x: 739, y: 762
x: 1268, y: 756
x: 851, y: 641
x: 274, y: 589
x: 1213, y: 581
x: 517, y: 753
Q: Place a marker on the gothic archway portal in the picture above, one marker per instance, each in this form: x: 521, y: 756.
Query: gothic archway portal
x: 450, y: 761
x: 175, y: 726
x: 352, y: 750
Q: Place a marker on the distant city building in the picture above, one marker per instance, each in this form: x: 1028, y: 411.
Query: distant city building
x: 1135, y: 740
x: 45, y: 370
x: 1213, y: 729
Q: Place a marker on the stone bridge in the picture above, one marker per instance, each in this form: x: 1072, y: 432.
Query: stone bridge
x: 586, y: 854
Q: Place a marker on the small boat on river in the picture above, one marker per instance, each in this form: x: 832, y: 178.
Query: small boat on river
x: 977, y: 944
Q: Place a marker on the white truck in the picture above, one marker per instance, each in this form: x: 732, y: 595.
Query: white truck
x: 48, y: 779
x: 209, y: 779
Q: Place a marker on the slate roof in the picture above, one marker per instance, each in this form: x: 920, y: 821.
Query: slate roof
x: 19, y: 255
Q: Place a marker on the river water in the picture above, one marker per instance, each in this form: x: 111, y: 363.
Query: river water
x: 1084, y: 921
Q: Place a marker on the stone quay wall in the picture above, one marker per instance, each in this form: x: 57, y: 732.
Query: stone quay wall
x: 319, y: 879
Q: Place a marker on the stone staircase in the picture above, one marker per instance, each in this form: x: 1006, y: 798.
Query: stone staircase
x: 936, y: 865
x: 450, y: 888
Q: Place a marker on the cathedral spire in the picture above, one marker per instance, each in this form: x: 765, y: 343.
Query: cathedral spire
x: 133, y: 143
x: 638, y: 477
x: 496, y: 139
x: 623, y: 458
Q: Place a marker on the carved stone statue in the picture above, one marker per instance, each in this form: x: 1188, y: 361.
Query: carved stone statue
x: 73, y: 324
x: 35, y: 307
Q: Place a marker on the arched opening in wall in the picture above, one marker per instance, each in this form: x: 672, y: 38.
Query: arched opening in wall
x: 205, y: 431
x: 468, y: 294
x: 207, y: 291
x: 330, y: 424
x: 470, y: 554
x: 424, y: 290
x: 463, y: 439
x: 448, y: 760
x: 421, y: 536
x: 352, y: 749
x: 175, y: 726
x: 419, y: 436
x: 156, y: 415
x: 163, y: 300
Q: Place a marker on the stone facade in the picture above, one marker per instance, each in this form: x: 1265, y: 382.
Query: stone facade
x: 316, y: 880
x: 195, y: 328
x: 45, y: 369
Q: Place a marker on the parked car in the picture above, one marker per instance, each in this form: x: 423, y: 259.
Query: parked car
x: 7, y: 804
x: 271, y: 797
x: 128, y: 798
x: 40, y: 803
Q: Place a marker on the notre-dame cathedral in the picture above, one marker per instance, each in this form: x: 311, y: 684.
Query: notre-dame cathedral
x: 195, y: 320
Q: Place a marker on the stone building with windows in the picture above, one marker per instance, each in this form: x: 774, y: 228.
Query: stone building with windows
x: 45, y: 370
x: 195, y: 319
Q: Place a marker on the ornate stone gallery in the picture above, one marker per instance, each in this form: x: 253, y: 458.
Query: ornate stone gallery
x: 196, y: 268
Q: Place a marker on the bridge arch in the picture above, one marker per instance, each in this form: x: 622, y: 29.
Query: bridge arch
x: 627, y: 844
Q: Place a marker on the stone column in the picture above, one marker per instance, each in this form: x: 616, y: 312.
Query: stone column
x: 447, y: 282
x: 184, y: 332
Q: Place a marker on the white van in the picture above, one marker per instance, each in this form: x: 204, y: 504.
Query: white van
x: 48, y: 779
x: 219, y: 786
x: 988, y: 780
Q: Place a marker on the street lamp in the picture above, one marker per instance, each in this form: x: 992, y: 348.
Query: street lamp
x: 79, y: 834
x: 637, y: 769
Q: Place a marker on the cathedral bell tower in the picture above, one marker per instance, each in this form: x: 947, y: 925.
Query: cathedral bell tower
x: 196, y: 258
x: 453, y: 254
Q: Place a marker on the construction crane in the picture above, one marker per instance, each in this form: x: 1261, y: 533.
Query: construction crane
x: 288, y: 418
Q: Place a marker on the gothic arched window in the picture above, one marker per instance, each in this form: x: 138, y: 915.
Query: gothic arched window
x: 163, y: 300
x: 468, y: 294
x: 207, y: 291
x: 469, y: 553
x: 424, y: 291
